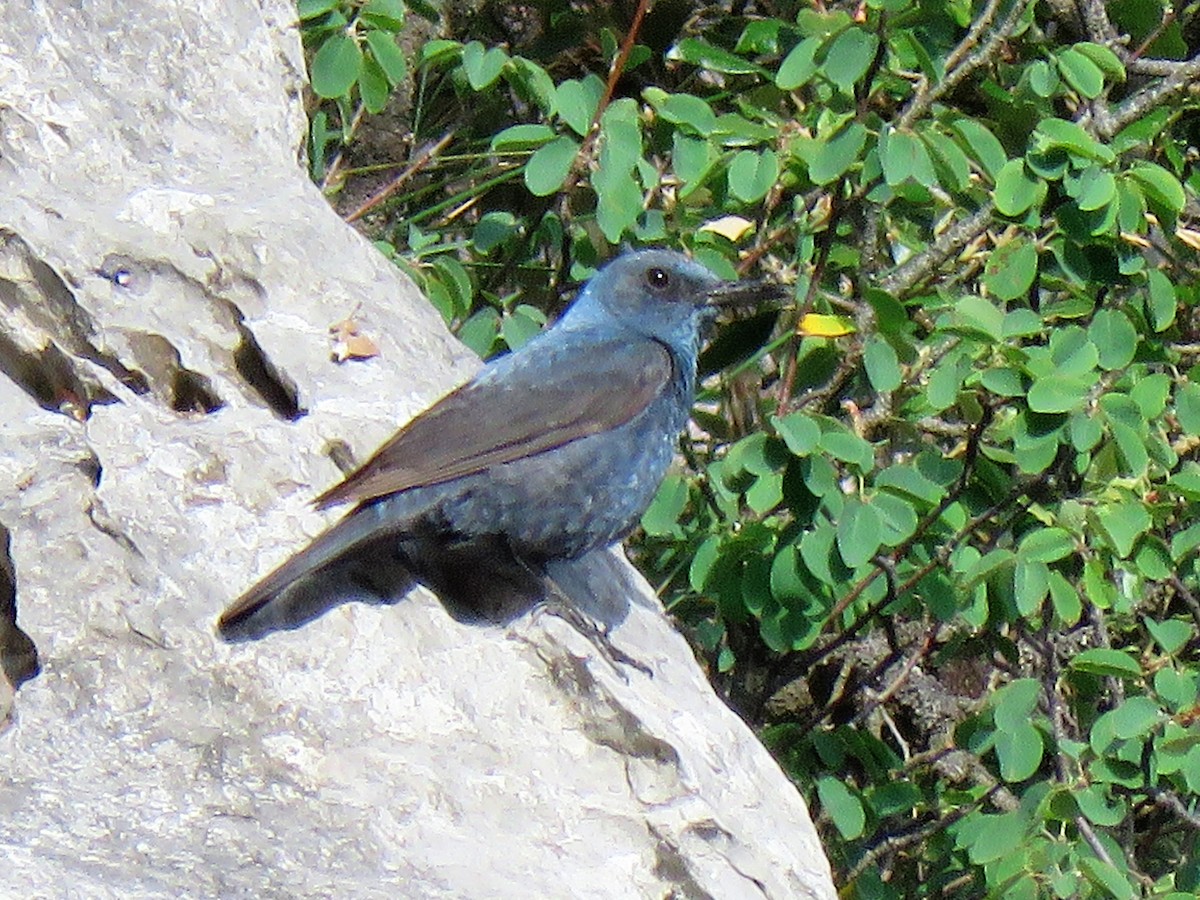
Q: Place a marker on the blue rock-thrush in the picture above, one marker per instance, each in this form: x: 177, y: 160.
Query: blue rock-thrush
x: 552, y: 451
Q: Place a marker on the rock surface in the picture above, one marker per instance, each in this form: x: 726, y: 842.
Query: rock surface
x: 167, y: 279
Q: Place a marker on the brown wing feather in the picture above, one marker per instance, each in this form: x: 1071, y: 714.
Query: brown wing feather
x: 586, y: 389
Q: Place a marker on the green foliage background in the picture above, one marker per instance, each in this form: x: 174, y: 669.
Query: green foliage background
x: 947, y: 566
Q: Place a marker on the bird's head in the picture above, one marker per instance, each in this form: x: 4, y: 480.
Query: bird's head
x: 661, y: 294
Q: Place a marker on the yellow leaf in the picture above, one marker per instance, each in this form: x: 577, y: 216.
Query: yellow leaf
x: 732, y: 228
x: 817, y: 325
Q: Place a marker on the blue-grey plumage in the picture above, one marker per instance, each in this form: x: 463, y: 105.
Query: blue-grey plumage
x: 550, y: 452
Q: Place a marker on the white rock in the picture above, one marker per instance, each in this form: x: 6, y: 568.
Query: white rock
x: 379, y: 751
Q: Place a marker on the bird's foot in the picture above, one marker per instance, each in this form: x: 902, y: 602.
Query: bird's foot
x: 596, y: 633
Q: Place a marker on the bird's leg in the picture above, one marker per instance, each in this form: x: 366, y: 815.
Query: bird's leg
x: 557, y: 603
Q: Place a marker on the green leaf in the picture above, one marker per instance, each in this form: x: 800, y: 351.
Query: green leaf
x: 798, y: 431
x: 575, y: 103
x: 951, y: 164
x: 1108, y: 877
x: 1031, y: 585
x: 859, y: 534
x: 1070, y: 136
x: 1017, y: 189
x: 1043, y: 79
x: 661, y: 517
x: 983, y: 145
x: 997, y: 837
x: 1185, y: 542
x: 531, y: 83
x: 521, y: 137
x: 1103, y: 661
x: 389, y: 56
x: 1187, y: 481
x: 703, y: 563
x: 1015, y: 703
x: 843, y: 807
x: 385, y: 14
x: 849, y: 448
x: 1161, y: 300
x: 882, y: 365
x: 1150, y: 394
x: 1072, y: 353
x: 1132, y: 444
x: 335, y: 66
x: 310, y: 9
x: 788, y: 584
x: 1108, y: 62
x: 1096, y: 189
x: 800, y: 64
x: 976, y: 314
x: 1160, y: 186
x: 1019, y: 752
x: 1171, y: 634
x: 549, y: 168
x: 1187, y: 407
x: 373, y: 86
x: 947, y: 380
x: 618, y: 194
x: 1136, y: 718
x: 848, y: 58
x: 493, y: 229
x: 1114, y: 337
x: 1011, y: 269
x: 1065, y: 599
x: 701, y: 53
x: 482, y: 65
x: 1046, y: 545
x: 1124, y: 523
x: 620, y: 202
x: 816, y: 549
x: 685, y: 109
x: 480, y: 331
x: 753, y: 174
x: 1003, y: 382
x: 766, y: 493
x: 1081, y: 73
x: 837, y: 154
x: 451, y: 273
x: 897, y: 515
x: 904, y: 156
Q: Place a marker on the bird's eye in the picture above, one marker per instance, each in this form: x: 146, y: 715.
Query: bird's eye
x: 657, y: 278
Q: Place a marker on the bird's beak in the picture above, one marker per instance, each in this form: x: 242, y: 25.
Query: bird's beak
x: 745, y: 293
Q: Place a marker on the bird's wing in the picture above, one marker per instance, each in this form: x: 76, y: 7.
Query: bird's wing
x: 524, y: 406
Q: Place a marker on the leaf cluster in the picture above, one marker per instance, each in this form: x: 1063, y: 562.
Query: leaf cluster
x: 947, y: 565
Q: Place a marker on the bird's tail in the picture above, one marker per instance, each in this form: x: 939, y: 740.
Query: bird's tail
x: 356, y: 559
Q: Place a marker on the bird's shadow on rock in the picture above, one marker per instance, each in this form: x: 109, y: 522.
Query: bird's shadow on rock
x: 486, y: 587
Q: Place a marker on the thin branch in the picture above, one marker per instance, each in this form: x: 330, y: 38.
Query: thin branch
x: 953, y: 239
x: 824, y: 241
x: 1085, y: 829
x: 978, y: 27
x: 1189, y: 599
x: 1161, y: 68
x: 427, y: 155
x: 920, y: 653
x: 1184, y: 78
x: 1095, y: 18
x: 925, y: 98
x: 1169, y: 801
x: 894, y: 843
x: 1168, y: 17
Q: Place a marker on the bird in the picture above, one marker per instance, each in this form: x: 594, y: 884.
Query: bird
x: 551, y: 452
